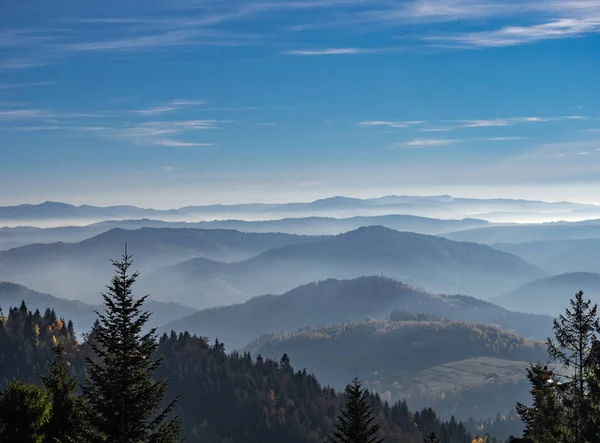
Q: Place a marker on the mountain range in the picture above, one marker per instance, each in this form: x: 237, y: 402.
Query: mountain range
x: 346, y: 301
x: 430, y: 262
x: 81, y: 270
x: 435, y: 206
x: 558, y: 256
x: 23, y: 235
x: 556, y: 231
x: 550, y: 296
x: 463, y: 369
x: 82, y: 314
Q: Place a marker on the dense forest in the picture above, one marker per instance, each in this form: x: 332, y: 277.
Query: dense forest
x: 226, y: 397
x: 271, y: 402
x: 124, y: 383
x: 27, y: 340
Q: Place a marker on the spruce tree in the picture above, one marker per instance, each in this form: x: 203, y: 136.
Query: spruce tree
x: 356, y: 422
x: 545, y: 420
x: 125, y: 402
x: 24, y: 412
x: 576, y: 332
x: 432, y: 438
x: 66, y: 422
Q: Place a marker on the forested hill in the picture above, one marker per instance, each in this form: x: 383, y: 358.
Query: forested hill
x: 426, y: 261
x: 439, y: 363
x: 82, y: 314
x: 338, y: 301
x: 27, y: 339
x: 226, y: 398
x: 234, y: 398
x: 550, y: 295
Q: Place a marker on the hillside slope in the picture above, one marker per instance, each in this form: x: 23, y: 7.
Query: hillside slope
x: 82, y: 314
x: 560, y: 256
x: 434, y: 263
x: 550, y: 295
x: 338, y: 301
x: 80, y: 270
x: 469, y: 361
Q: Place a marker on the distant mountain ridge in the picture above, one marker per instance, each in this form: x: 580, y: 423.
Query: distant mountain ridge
x: 444, y: 364
x: 342, y: 301
x: 558, y: 256
x: 434, y: 263
x: 550, y: 295
x: 492, y: 234
x: 82, y: 314
x: 20, y: 236
x: 445, y: 206
x: 86, y: 265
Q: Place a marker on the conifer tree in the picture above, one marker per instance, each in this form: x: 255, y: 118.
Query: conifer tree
x: 285, y: 365
x: 24, y: 412
x: 66, y: 422
x: 356, y: 422
x: 544, y: 420
x: 432, y: 438
x: 565, y: 399
x: 576, y: 332
x: 125, y: 403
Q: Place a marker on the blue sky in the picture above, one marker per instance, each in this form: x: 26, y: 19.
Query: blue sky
x: 168, y: 103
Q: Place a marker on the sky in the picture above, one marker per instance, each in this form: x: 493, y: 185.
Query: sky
x: 172, y: 103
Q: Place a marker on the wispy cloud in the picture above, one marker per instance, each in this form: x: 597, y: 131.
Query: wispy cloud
x: 518, y: 35
x: 173, y: 38
x: 20, y: 114
x: 516, y: 120
x: 390, y: 124
x: 423, y: 143
x: 155, y: 111
x: 178, y: 144
x: 170, y: 106
x: 25, y: 85
x: 333, y: 51
x: 431, y: 142
x: 162, y: 133
x: 21, y: 63
x: 187, y: 102
x: 436, y: 129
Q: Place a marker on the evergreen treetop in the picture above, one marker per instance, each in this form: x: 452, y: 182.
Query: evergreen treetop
x: 125, y: 402
x: 356, y: 421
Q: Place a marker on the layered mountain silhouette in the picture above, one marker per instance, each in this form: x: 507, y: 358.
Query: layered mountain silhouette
x: 551, y: 295
x: 20, y: 236
x: 491, y: 234
x: 559, y: 256
x: 346, y: 301
x: 82, y: 314
x: 434, y: 263
x: 81, y: 270
x: 436, y: 206
x: 466, y: 369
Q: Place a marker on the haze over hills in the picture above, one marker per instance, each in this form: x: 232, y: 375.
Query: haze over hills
x: 558, y: 256
x: 19, y: 236
x: 434, y: 263
x: 80, y: 270
x: 82, y: 314
x: 443, y: 206
x: 469, y: 360
x: 492, y: 234
x: 342, y: 301
x: 551, y: 295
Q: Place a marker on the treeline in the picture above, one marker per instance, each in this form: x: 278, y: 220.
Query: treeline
x: 566, y: 391
x: 138, y: 388
x: 27, y: 340
x: 122, y: 396
x: 393, y: 348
